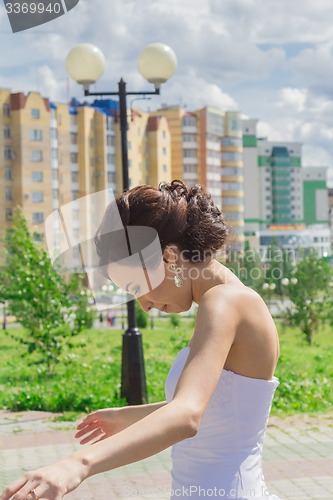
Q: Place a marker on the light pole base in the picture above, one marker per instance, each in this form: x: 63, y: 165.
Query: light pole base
x: 133, y: 379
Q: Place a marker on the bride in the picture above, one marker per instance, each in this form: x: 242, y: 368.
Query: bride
x: 220, y: 388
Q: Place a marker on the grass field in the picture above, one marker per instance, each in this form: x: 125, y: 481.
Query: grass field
x: 88, y: 377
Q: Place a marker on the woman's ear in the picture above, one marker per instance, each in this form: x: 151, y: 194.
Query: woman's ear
x: 170, y: 254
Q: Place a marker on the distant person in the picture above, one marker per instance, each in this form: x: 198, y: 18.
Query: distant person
x: 101, y: 318
x: 220, y: 387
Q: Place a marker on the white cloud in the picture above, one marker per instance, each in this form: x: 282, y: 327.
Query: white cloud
x: 314, y: 66
x: 293, y: 98
x: 222, y: 59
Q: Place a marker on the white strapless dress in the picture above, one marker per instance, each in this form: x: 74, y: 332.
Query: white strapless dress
x: 224, y: 458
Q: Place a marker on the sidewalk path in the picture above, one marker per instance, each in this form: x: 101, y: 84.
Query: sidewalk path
x: 298, y: 458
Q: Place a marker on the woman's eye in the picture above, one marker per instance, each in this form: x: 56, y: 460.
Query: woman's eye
x: 135, y: 290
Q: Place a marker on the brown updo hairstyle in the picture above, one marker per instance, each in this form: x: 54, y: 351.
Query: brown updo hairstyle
x: 186, y: 217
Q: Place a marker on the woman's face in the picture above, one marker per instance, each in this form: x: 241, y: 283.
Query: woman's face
x: 153, y: 288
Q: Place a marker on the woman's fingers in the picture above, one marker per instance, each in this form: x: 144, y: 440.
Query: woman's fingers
x: 13, y: 488
x: 88, y: 420
x: 86, y: 429
x: 91, y: 436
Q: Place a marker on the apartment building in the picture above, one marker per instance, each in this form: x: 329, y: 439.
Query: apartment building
x: 284, y: 201
x: 206, y: 148
x: 56, y: 153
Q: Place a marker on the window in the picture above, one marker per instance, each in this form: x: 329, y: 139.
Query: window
x: 6, y: 132
x: 37, y: 217
x: 54, y: 153
x: 37, y: 197
x: 234, y: 215
x: 164, y: 151
x: 232, y: 186
x: 38, y: 237
x: 189, y: 138
x: 232, y: 200
x: 36, y: 156
x: 54, y: 174
x: 35, y: 113
x: 110, y: 140
x: 73, y: 157
x: 189, y: 121
x: 73, y: 119
x: 232, y: 156
x: 232, y: 171
x: 37, y: 176
x: 8, y: 153
x: 111, y: 159
x: 75, y: 176
x: 190, y: 153
x: 54, y: 133
x: 164, y: 134
x: 6, y: 110
x: 55, y: 194
x: 111, y: 177
x: 231, y: 141
x: 75, y: 194
x: 36, y: 135
x: 165, y: 168
x: 73, y: 137
x: 8, y: 174
x: 9, y: 214
x: 109, y: 123
x: 8, y: 194
x: 190, y: 169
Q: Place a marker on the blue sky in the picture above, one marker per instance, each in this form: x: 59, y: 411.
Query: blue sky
x: 272, y: 60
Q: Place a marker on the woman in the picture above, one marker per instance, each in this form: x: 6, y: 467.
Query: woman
x: 220, y: 388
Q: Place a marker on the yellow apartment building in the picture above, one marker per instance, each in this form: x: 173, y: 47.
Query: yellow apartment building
x: 55, y: 153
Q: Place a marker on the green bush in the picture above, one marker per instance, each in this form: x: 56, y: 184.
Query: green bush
x: 175, y: 320
x: 141, y: 316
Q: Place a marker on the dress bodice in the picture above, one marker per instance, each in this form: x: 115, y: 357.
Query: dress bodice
x: 226, y: 452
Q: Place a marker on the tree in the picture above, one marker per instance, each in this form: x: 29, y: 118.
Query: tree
x: 247, y: 266
x: 48, y: 306
x: 141, y: 316
x: 311, y: 295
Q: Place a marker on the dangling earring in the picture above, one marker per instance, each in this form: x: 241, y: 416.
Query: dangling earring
x: 178, y: 280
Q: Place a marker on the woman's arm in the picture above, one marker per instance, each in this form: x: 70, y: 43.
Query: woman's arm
x: 104, y: 423
x: 157, y: 431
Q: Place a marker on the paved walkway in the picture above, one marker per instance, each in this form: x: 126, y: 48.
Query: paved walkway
x: 298, y: 458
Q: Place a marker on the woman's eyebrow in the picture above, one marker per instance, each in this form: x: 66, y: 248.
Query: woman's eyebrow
x: 128, y: 284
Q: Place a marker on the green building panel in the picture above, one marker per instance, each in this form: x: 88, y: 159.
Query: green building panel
x: 295, y: 161
x: 249, y: 141
x: 309, y: 200
x: 264, y: 161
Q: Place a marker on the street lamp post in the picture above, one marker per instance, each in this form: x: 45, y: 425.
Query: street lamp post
x: 157, y: 63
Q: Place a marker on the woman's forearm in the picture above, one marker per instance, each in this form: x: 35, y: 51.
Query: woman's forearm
x: 137, y: 412
x: 157, y: 431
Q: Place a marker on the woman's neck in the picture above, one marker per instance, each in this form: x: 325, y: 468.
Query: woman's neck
x: 212, y: 274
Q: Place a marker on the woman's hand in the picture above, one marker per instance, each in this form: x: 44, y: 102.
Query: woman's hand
x: 102, y: 424
x: 48, y: 483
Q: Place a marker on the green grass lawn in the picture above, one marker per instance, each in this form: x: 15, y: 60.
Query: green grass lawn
x: 88, y: 377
